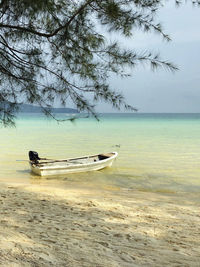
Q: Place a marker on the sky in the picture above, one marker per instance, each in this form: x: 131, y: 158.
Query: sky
x: 163, y: 91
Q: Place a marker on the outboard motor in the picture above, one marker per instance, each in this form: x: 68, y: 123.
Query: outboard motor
x: 33, y: 156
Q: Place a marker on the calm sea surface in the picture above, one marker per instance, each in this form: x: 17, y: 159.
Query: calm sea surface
x: 157, y: 152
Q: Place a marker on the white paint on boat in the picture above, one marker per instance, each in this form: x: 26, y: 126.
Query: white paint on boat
x: 73, y: 165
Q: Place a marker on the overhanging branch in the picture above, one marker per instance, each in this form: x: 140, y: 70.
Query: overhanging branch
x: 48, y: 35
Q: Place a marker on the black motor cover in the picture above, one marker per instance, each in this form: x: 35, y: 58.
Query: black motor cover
x: 33, y: 156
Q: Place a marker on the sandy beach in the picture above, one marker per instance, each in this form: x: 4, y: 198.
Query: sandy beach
x: 42, y: 226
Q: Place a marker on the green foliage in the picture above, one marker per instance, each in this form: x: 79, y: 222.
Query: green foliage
x: 52, y: 49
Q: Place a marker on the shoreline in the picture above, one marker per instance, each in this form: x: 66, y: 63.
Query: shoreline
x: 46, y: 226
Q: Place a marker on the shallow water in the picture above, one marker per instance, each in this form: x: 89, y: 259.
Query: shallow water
x: 157, y: 152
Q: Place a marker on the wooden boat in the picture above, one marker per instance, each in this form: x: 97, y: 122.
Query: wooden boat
x: 43, y: 166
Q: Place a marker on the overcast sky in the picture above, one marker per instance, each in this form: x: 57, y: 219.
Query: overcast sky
x: 163, y: 91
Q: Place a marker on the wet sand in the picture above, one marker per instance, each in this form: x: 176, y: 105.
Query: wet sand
x: 42, y: 226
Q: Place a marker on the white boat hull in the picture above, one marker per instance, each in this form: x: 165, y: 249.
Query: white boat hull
x: 59, y: 167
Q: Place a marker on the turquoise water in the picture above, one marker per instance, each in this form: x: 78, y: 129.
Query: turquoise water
x: 157, y: 152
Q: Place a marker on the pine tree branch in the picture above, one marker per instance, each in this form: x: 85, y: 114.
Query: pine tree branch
x: 48, y: 35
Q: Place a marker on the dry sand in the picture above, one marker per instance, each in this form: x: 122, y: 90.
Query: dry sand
x: 42, y: 226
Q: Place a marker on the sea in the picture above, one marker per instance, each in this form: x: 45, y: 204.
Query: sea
x: 157, y: 152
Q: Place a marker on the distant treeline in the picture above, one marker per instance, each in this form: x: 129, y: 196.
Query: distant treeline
x: 25, y: 108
